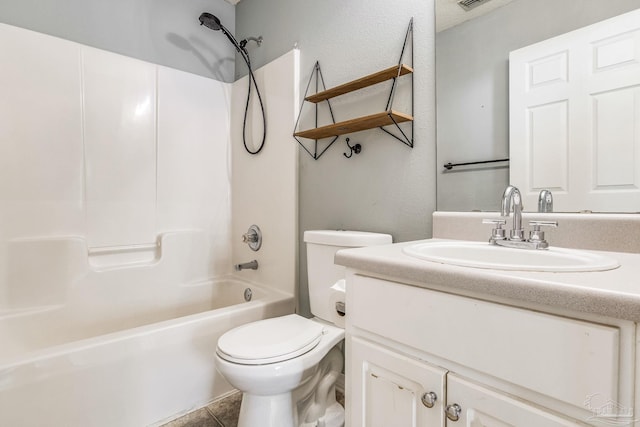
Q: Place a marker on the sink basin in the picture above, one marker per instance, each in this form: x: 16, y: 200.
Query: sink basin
x: 484, y: 255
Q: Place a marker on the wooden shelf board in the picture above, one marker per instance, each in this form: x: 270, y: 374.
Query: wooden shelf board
x: 360, y: 83
x: 355, y: 125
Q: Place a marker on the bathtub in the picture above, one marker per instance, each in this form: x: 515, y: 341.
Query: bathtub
x: 123, y: 368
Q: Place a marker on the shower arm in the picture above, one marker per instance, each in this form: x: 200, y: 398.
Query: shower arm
x: 258, y: 41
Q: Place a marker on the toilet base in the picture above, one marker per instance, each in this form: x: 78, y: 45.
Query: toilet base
x: 334, y: 417
x: 311, y: 404
x: 277, y: 411
x: 266, y: 411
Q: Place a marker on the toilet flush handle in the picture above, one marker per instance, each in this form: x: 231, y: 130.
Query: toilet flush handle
x: 341, y: 308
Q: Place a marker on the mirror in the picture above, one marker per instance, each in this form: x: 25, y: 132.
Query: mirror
x: 472, y: 87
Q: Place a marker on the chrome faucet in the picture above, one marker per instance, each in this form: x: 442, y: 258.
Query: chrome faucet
x: 512, y: 201
x: 251, y: 265
x: 512, y: 198
x: 545, y: 201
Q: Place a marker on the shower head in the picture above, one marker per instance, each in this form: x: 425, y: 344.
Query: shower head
x: 210, y: 21
x: 213, y: 23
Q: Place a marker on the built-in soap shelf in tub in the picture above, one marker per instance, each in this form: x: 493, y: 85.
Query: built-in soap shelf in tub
x: 48, y: 271
x: 126, y: 255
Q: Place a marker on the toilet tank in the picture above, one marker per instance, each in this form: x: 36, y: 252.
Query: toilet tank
x: 322, y: 273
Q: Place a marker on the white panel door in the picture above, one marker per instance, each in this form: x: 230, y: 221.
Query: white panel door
x: 387, y: 388
x: 472, y: 405
x: 575, y: 117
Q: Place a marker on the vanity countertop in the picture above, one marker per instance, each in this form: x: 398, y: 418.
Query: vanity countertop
x: 612, y: 293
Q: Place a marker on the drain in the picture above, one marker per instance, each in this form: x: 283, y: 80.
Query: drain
x: 248, y: 294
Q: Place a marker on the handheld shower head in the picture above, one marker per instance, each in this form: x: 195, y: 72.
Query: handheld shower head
x: 210, y: 21
x: 213, y: 23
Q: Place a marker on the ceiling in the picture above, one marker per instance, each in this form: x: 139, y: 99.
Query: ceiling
x: 449, y: 14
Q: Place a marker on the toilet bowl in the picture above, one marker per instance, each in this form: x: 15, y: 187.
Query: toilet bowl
x: 269, y: 359
x: 286, y: 367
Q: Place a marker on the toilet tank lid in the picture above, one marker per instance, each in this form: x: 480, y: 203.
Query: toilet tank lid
x: 346, y: 238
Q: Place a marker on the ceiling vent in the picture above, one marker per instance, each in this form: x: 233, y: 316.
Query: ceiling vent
x: 471, y: 4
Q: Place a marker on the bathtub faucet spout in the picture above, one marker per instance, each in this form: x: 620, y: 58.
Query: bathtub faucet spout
x: 251, y: 265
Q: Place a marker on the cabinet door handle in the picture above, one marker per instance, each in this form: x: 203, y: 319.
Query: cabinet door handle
x: 429, y: 399
x: 453, y: 412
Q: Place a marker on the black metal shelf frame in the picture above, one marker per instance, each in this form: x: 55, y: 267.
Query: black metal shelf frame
x: 405, y: 139
x: 402, y: 136
x: 317, y: 73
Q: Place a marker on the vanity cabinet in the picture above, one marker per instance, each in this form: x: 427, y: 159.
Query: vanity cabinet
x: 393, y: 389
x: 486, y: 364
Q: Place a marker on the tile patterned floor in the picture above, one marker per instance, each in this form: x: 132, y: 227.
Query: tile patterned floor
x: 222, y: 413
x: 198, y: 418
x: 226, y: 411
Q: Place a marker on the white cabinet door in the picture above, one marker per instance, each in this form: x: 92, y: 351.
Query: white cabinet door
x: 387, y: 389
x: 574, y: 117
x: 476, y: 406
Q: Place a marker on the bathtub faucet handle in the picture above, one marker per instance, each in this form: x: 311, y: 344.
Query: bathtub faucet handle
x: 249, y: 238
x: 253, y: 237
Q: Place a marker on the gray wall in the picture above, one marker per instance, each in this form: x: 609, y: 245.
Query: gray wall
x: 389, y: 187
x: 472, y: 89
x: 165, y: 32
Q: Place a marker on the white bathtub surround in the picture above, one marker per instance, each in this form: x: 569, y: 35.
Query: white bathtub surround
x: 110, y: 149
x: 119, y: 125
x: 596, y: 231
x: 40, y: 113
x: 116, y: 231
x: 265, y: 186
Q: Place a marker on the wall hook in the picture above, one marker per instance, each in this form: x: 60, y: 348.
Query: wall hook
x: 355, y: 149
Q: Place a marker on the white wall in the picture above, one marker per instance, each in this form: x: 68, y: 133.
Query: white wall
x: 105, y: 150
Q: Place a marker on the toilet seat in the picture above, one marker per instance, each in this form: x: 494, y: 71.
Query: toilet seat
x: 270, y: 340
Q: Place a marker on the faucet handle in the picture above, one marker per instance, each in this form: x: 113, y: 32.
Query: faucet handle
x: 537, y: 224
x: 498, y: 233
x: 497, y: 222
x: 536, y: 235
x: 253, y: 237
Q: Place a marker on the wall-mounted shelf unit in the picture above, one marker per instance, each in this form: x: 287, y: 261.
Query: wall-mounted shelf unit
x: 385, y: 118
x: 378, y: 120
x: 370, y: 80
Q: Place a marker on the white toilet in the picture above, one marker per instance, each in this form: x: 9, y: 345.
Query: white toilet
x: 287, y: 367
